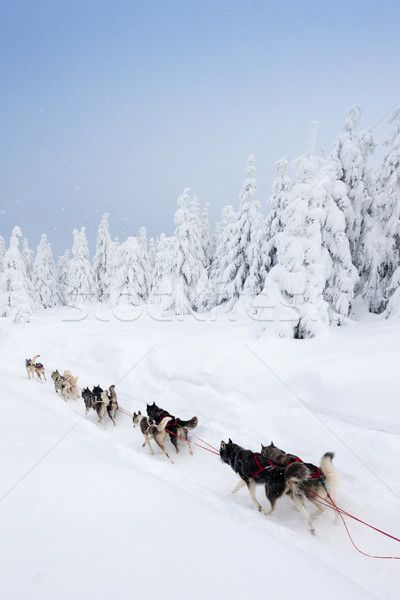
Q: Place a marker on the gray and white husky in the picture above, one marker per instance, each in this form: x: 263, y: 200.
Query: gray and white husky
x: 149, y: 430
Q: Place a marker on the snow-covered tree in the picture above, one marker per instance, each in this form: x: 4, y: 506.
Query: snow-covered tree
x: 27, y: 257
x: 386, y: 217
x: 128, y: 285
x: 62, y: 275
x: 80, y: 277
x: 103, y: 260
x: 244, y: 246
x: 44, y: 276
x: 350, y: 156
x: 341, y: 274
x: 15, y: 301
x: 278, y: 202
x: 223, y: 234
x: 291, y: 303
x: 187, y: 267
x: 205, y: 237
x: 144, y: 260
x: 2, y: 252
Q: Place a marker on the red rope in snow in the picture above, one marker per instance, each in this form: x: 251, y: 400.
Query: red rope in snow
x: 190, y: 442
x: 342, y: 512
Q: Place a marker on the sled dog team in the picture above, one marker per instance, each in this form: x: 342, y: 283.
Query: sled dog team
x: 279, y: 472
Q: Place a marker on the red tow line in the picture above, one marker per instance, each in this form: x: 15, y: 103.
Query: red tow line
x: 342, y: 512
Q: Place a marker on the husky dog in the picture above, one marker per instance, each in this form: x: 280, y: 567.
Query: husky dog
x: 254, y: 469
x: 58, y: 379
x: 176, y: 427
x: 72, y: 389
x: 112, y: 405
x: 33, y: 367
x: 89, y: 399
x: 275, y: 453
x: 149, y: 430
x: 323, y: 479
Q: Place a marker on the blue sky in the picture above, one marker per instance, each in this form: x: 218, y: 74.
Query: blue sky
x: 144, y: 98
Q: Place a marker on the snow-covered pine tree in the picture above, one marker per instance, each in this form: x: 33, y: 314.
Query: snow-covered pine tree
x: 292, y: 295
x: 80, y: 277
x: 44, y: 276
x: 27, y: 257
x: 341, y: 274
x: 144, y: 260
x: 128, y: 285
x: 15, y: 301
x: 62, y: 275
x: 103, y: 260
x: 387, y: 216
x: 2, y: 252
x: 223, y: 234
x: 243, y: 250
x: 162, y: 272
x: 350, y: 155
x: 205, y: 236
x: 278, y: 202
x: 187, y: 268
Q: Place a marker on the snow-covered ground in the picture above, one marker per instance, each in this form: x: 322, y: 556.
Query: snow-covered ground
x: 88, y: 513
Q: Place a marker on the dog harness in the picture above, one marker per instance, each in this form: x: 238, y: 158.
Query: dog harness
x: 317, y: 475
x: 260, y: 468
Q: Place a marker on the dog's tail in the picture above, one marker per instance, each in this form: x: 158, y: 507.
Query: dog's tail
x: 331, y: 475
x: 34, y: 359
x: 162, y: 425
x: 296, y: 473
x: 191, y: 424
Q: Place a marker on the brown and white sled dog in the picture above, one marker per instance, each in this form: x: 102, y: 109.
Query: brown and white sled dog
x: 149, y: 430
x: 33, y: 367
x: 323, y: 480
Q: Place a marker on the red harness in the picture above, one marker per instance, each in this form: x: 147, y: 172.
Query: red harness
x: 260, y: 468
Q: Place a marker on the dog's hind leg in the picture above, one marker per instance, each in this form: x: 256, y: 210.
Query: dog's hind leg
x: 298, y: 499
x: 161, y: 445
x: 251, y: 485
x: 239, y: 486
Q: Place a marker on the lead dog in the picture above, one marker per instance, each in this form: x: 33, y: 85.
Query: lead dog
x: 255, y: 469
x: 33, y: 367
x: 176, y: 427
x: 323, y: 480
x: 149, y: 430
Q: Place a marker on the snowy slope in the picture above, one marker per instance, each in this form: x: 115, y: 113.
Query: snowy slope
x: 88, y: 513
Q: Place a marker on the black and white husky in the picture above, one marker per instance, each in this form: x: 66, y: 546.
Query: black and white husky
x: 255, y: 469
x: 177, y: 428
x: 102, y: 401
x: 150, y: 429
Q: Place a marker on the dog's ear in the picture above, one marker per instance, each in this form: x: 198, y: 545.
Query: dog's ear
x: 223, y: 445
x: 272, y: 444
x: 139, y: 413
x: 263, y: 447
x: 230, y: 441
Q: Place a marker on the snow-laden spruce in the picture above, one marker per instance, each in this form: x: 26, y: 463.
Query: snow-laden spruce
x: 80, y: 287
x: 128, y: 285
x: 241, y: 269
x: 103, y: 260
x: 44, y: 276
x: 62, y: 275
x: 187, y: 280
x: 15, y: 301
x: 292, y: 304
x: 278, y: 202
x: 2, y: 252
